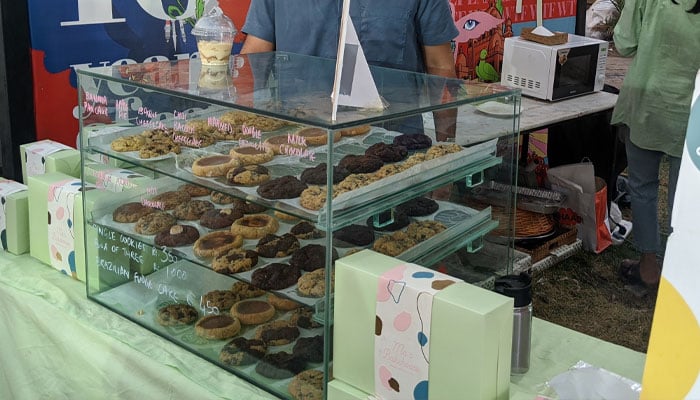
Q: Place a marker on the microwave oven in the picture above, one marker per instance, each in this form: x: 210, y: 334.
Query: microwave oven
x: 554, y: 72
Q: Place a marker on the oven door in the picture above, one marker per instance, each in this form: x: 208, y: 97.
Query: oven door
x: 575, y: 71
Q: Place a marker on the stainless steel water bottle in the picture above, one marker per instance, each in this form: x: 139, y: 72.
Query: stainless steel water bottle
x: 519, y: 287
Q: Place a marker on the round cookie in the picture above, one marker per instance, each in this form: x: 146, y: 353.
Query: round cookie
x: 234, y: 261
x: 413, y: 142
x: 176, y: 314
x: 253, y: 312
x: 192, y: 210
x: 282, y: 303
x: 221, y: 326
x: 221, y: 299
x: 394, y: 244
x: 158, y: 148
x: 360, y: 164
x: 170, y: 199
x: 221, y: 198
x: 317, y: 136
x: 273, y: 246
x: 155, y: 222
x: 307, y: 385
x: 247, y: 207
x: 216, y: 243
x: 418, y: 207
x: 195, y: 140
x: 353, y: 235
x: 177, y: 235
x: 255, y: 226
x: 285, y: 187
x: 317, y: 175
x: 245, y: 290
x: 216, y: 165
x: 423, y: 230
x: 313, y: 197
x: 440, y: 150
x: 241, y: 351
x: 387, y: 152
x: 219, y: 218
x: 355, y: 130
x: 309, y: 348
x: 313, y: 284
x: 306, y: 230
x: 194, y: 190
x: 131, y: 212
x: 277, y: 333
x: 275, y: 276
x: 280, y: 365
x: 249, y: 155
x: 311, y: 257
x: 128, y: 143
x: 248, y: 175
x: 400, y: 220
x: 303, y: 318
x: 285, y: 217
x: 283, y: 144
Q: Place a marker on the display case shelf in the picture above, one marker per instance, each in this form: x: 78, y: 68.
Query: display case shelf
x: 125, y: 108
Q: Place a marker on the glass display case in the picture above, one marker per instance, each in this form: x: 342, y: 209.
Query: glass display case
x: 206, y: 179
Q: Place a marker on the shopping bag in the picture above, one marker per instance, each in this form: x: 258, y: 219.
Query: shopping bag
x: 585, y: 205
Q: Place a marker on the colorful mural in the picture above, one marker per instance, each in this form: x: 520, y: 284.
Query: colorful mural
x: 484, y: 24
x: 87, y: 33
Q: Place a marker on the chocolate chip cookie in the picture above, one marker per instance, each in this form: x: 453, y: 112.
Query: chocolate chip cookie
x: 219, y: 218
x: 131, y: 212
x: 275, y: 276
x: 317, y: 175
x: 192, y: 210
x: 313, y: 284
x: 413, y: 142
x: 307, y: 385
x: 353, y: 235
x: 176, y: 314
x: 273, y: 246
x: 387, y: 152
x: 155, y: 222
x: 248, y: 175
x: 242, y: 351
x: 360, y: 164
x: 418, y: 207
x: 311, y: 257
x: 235, y: 261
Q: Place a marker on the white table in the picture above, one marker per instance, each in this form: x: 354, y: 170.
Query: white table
x: 474, y: 126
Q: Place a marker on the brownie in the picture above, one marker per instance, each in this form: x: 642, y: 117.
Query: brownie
x: 317, y: 175
x: 418, y: 207
x: 177, y: 235
x: 387, y: 152
x: 360, y: 164
x: 242, y: 351
x: 220, y: 218
x: 413, y: 142
x: 356, y: 235
x: 309, y: 348
x: 285, y: 187
x: 401, y: 220
x: 280, y: 365
x: 311, y: 257
x: 272, y: 246
x: 275, y: 276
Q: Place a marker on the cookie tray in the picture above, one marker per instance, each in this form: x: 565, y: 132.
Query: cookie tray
x: 140, y: 300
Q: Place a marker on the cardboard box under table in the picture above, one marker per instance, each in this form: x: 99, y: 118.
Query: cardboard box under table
x: 14, y: 217
x: 467, y: 343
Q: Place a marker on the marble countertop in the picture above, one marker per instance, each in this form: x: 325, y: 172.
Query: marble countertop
x: 474, y: 126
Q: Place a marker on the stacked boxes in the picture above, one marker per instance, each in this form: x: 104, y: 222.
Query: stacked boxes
x: 14, y: 217
x: 470, y: 334
x: 49, y: 156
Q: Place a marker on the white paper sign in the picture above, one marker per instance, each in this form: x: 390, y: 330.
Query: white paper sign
x: 353, y: 85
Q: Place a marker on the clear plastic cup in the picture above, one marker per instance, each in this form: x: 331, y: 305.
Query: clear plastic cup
x: 214, y: 33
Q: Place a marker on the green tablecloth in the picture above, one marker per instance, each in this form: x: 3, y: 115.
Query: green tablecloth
x: 56, y: 344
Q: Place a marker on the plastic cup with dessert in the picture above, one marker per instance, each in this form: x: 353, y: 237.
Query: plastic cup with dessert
x: 214, y: 33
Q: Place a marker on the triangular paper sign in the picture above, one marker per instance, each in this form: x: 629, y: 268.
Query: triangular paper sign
x: 353, y: 85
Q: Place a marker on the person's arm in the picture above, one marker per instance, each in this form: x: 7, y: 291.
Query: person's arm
x: 628, y: 27
x: 440, y: 61
x: 254, y: 44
